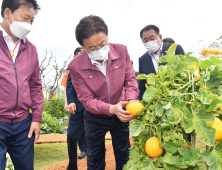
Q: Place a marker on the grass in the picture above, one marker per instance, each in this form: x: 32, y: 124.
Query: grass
x: 48, y: 154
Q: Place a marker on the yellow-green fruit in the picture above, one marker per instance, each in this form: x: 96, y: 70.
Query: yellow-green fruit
x: 215, y: 51
x: 152, y: 147
x: 134, y: 107
x: 217, y: 124
x: 205, y: 50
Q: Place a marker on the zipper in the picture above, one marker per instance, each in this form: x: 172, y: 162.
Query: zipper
x: 108, y: 88
x: 17, y: 92
x: 16, y: 83
x: 107, y: 82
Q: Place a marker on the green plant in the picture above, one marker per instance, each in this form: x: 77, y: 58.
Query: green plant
x: 45, y: 106
x: 182, y: 98
x: 55, y: 107
x: 9, y: 164
x: 51, y: 124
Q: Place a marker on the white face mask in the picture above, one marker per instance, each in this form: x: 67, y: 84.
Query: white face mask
x: 152, y: 46
x: 19, y: 29
x: 100, y: 54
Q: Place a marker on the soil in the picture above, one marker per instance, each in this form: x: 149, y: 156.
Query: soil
x: 82, y: 163
x: 52, y: 138
x: 55, y: 138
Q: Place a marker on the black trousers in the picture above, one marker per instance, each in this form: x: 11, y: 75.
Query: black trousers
x: 14, y: 140
x: 75, y: 133
x: 95, y: 130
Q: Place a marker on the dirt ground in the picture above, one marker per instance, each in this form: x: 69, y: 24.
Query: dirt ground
x: 82, y: 164
x: 55, y: 138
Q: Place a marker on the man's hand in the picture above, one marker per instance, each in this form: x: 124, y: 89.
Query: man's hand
x: 66, y: 107
x: 72, y: 108
x: 119, y: 112
x: 35, y: 127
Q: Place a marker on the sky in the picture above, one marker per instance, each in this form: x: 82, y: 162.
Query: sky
x: 186, y: 21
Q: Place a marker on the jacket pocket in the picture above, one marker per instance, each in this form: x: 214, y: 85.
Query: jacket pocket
x: 117, y: 65
x: 117, y: 70
x: 95, y: 80
x: 5, y: 93
x: 117, y: 75
x: 26, y: 98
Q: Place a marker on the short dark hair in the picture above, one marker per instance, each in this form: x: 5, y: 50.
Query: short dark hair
x: 77, y: 50
x: 169, y: 40
x: 89, y: 26
x: 150, y: 27
x: 15, y: 4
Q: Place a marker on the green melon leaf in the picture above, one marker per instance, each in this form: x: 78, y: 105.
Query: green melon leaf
x: 213, y: 159
x: 136, y: 128
x: 198, y: 122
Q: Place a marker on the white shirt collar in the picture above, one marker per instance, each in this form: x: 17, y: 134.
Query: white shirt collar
x: 4, y: 34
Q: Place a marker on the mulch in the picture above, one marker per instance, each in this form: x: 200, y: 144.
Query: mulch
x: 82, y: 163
x: 56, y: 138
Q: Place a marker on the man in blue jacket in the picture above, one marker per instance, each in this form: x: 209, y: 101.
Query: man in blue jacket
x: 152, y: 40
x: 76, y: 130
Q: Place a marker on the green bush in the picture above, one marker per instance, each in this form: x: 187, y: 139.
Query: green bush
x: 9, y: 164
x: 45, y: 106
x: 55, y: 107
x: 51, y: 124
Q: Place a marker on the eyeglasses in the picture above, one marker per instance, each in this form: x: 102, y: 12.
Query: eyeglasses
x: 96, y: 48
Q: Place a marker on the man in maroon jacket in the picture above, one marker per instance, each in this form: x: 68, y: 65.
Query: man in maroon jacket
x: 104, y: 80
x: 20, y: 85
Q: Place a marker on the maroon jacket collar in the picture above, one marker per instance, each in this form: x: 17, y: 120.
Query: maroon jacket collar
x: 22, y: 45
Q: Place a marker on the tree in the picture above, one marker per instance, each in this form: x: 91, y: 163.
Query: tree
x: 216, y: 44
x: 48, y: 65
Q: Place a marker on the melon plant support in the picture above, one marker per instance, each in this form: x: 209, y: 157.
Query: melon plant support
x: 183, y: 97
x: 194, y: 134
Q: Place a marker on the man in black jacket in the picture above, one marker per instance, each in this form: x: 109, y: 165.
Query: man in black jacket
x: 76, y: 130
x: 152, y: 40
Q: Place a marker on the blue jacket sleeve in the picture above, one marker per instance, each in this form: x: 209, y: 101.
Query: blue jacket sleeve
x: 179, y: 50
x: 70, y: 91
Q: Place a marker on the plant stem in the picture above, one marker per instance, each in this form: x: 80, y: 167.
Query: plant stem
x: 217, y: 144
x: 184, y: 86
